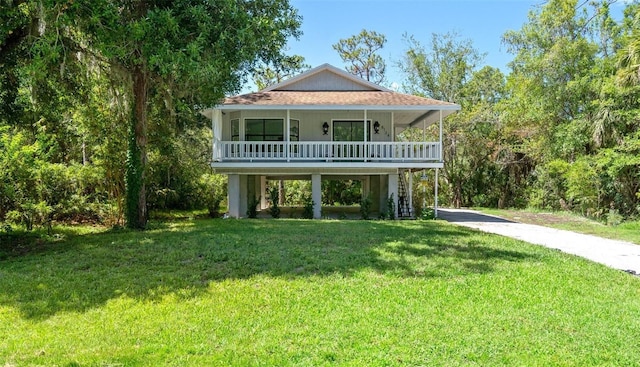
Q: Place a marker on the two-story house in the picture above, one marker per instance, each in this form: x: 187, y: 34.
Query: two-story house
x: 324, y: 124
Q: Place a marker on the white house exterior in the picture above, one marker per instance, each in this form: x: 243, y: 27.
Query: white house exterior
x: 313, y: 127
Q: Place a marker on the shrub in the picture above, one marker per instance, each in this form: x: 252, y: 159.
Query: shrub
x: 365, y: 207
x: 274, y: 196
x: 391, y: 208
x: 252, y: 210
x: 307, y: 212
x: 614, y: 218
x: 550, y: 188
x: 427, y: 213
x: 30, y: 213
x: 212, y: 190
x: 583, y: 186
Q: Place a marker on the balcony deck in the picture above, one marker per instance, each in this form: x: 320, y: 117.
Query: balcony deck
x: 247, y: 154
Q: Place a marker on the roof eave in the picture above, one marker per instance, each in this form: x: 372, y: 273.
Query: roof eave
x: 247, y: 107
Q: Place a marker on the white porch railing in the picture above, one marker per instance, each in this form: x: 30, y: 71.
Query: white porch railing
x: 249, y: 151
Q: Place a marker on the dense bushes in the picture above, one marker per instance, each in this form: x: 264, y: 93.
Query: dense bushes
x: 36, y: 192
x: 592, y: 185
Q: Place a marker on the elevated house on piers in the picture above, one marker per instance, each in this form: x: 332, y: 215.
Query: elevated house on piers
x: 324, y: 124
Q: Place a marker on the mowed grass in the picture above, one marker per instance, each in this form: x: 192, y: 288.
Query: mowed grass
x: 312, y: 293
x: 626, y: 231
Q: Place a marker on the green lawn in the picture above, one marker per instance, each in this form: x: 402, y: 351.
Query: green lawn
x: 625, y: 231
x: 311, y: 293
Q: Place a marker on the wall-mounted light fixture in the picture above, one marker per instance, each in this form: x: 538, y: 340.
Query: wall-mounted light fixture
x: 376, y: 127
x: 325, y: 128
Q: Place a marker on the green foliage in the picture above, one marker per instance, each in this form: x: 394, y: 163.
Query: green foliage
x: 36, y: 192
x: 178, y: 161
x: 361, y: 53
x: 550, y: 189
x: 309, y: 204
x: 279, y: 70
x: 297, y: 192
x: 443, y: 71
x: 274, y: 209
x: 29, y: 213
x: 73, y: 74
x: 391, y: 208
x: 178, y: 54
x: 212, y: 191
x: 583, y: 187
x: 427, y: 213
x: 345, y: 192
x: 365, y: 207
x: 614, y: 218
x: 252, y: 207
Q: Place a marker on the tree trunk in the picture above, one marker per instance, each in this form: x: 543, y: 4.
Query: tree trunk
x: 137, y: 153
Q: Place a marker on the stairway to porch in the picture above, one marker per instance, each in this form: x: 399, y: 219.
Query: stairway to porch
x: 404, y: 201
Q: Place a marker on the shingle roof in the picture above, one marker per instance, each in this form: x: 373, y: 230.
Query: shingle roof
x: 332, y: 98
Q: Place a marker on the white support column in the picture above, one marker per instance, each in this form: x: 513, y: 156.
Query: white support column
x: 441, y: 157
x: 393, y: 126
x: 316, y: 195
x: 263, y: 193
x: 287, y: 137
x: 410, y: 191
x: 393, y: 189
x: 244, y: 197
x: 435, y: 200
x: 366, y: 151
x: 233, y: 196
x: 366, y: 186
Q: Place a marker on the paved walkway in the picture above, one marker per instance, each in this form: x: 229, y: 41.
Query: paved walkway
x: 616, y: 254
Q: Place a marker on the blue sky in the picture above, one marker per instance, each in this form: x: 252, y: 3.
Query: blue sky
x: 483, y: 21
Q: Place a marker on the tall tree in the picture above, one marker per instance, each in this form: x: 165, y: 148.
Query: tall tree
x: 195, y: 50
x: 278, y: 70
x: 629, y: 56
x: 360, y: 51
x: 551, y: 86
x: 17, y: 23
x: 441, y: 71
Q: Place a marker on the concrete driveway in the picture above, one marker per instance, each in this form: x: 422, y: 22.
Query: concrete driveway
x: 616, y: 254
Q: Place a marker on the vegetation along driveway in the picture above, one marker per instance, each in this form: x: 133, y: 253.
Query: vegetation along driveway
x: 616, y: 254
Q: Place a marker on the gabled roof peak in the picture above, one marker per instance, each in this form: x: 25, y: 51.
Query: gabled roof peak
x: 341, y: 80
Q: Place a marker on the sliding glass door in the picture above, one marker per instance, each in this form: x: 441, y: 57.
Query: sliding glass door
x: 349, y: 131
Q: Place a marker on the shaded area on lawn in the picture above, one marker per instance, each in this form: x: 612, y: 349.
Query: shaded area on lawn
x: 469, y: 216
x: 184, y: 258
